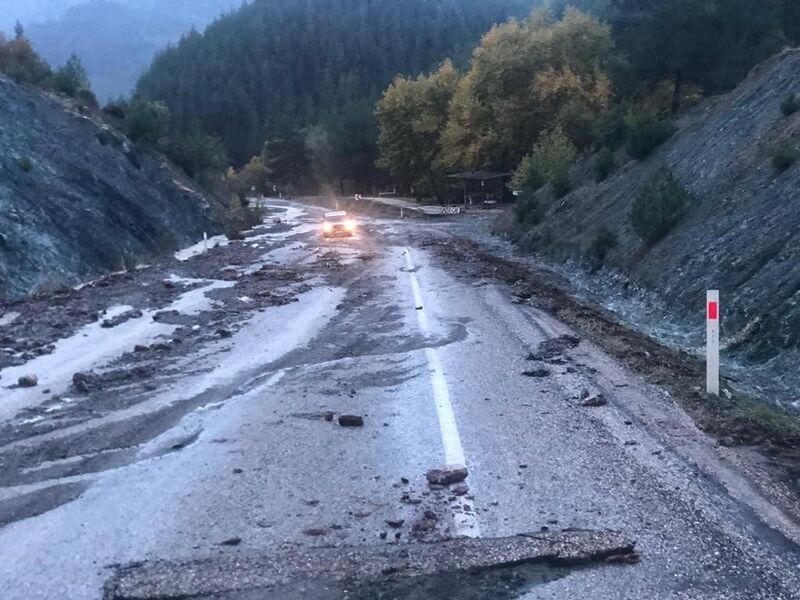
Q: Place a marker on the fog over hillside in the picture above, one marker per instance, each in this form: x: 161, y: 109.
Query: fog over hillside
x: 116, y: 39
x: 34, y: 11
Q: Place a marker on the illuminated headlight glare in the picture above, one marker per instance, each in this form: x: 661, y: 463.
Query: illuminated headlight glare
x: 327, y: 227
x: 350, y: 225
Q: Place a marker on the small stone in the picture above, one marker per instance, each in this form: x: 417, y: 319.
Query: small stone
x: 351, y: 421
x: 329, y: 417
x: 460, y: 489
x: 408, y: 499
x: 28, y: 381
x: 83, y: 382
x: 537, y: 373
x: 234, y: 541
x: 447, y: 475
x: 595, y: 401
x: 264, y: 524
x: 424, y: 525
x: 395, y: 523
x: 623, y: 559
x: 316, y: 531
x: 238, y: 471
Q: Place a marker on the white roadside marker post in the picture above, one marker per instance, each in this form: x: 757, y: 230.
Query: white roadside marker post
x: 712, y: 342
x: 205, y: 242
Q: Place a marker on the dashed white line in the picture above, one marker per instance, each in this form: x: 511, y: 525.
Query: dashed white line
x: 466, y: 523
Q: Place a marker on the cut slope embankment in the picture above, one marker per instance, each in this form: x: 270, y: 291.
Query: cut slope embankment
x: 77, y: 199
x: 739, y: 233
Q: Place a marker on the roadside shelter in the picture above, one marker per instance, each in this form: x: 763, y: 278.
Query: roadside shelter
x: 482, y: 187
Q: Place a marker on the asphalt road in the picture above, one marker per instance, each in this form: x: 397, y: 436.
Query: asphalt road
x: 226, y: 448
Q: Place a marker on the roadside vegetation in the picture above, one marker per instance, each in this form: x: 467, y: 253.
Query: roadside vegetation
x: 603, y: 242
x: 604, y: 164
x: 783, y: 156
x: 483, y: 86
x: 659, y: 207
x: 312, y: 70
x: 20, y: 62
x: 790, y: 104
x: 25, y: 164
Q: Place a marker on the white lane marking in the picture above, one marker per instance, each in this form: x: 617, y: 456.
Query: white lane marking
x: 466, y: 523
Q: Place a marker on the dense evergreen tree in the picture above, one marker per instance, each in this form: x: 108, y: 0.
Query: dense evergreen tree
x: 712, y: 43
x: 304, y: 76
x: 274, y: 67
x: 71, y: 79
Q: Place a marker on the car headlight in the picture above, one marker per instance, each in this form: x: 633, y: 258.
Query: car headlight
x: 327, y: 227
x: 350, y: 225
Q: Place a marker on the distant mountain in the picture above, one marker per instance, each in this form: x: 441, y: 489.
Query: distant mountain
x: 29, y: 12
x: 116, y: 39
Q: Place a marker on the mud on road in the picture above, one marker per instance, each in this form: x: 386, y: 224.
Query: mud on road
x: 735, y: 419
x: 282, y: 396
x: 137, y: 327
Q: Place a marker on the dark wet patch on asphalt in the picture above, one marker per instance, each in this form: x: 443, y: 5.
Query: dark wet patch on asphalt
x: 473, y: 569
x: 33, y: 504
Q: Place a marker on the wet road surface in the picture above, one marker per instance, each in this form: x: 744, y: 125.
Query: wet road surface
x: 227, y: 443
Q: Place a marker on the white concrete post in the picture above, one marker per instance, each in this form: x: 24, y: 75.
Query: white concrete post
x: 402, y: 216
x: 712, y: 342
x: 205, y: 242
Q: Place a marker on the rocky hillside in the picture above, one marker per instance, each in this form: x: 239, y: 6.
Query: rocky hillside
x: 740, y: 230
x: 76, y: 199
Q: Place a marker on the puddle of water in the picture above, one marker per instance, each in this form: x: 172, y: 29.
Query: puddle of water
x: 201, y: 247
x: 93, y: 347
x: 8, y: 318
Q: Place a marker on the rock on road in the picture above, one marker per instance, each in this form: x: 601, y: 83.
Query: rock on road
x: 207, y: 426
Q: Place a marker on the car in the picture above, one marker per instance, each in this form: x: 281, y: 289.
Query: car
x: 338, y: 224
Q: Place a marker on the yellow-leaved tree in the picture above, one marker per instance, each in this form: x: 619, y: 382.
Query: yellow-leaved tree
x: 526, y: 78
x: 411, y: 116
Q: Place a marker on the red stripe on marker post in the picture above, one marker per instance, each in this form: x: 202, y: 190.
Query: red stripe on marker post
x: 712, y: 342
x: 713, y: 311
